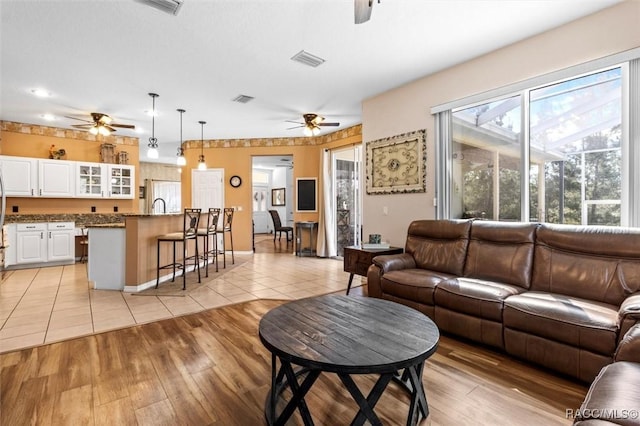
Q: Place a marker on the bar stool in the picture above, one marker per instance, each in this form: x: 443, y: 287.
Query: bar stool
x: 189, y: 232
x: 84, y: 244
x: 210, y: 231
x: 226, y: 228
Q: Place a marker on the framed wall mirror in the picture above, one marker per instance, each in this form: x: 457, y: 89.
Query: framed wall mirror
x: 278, y: 197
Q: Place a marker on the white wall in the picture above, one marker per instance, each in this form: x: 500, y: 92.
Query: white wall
x: 407, y: 108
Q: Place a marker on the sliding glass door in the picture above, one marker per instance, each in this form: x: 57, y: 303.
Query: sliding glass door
x: 347, y: 198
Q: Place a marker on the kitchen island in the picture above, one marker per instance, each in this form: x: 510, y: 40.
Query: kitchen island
x: 123, y: 256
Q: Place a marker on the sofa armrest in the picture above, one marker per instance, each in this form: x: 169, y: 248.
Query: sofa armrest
x: 629, y: 347
x: 394, y: 262
x: 630, y: 307
x: 628, y: 315
x: 386, y: 263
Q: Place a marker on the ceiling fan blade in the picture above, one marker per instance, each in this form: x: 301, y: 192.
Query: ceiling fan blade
x: 328, y: 124
x: 76, y: 118
x: 109, y: 128
x: 363, y: 10
x: 295, y: 127
x: 124, y: 126
x: 83, y: 126
x: 294, y: 122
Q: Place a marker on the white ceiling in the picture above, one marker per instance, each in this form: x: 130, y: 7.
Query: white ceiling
x: 107, y: 55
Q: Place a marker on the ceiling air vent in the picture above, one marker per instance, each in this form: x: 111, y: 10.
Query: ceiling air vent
x: 171, y: 7
x: 307, y: 58
x: 243, y: 99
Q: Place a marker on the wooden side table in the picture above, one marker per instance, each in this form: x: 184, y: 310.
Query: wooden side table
x: 312, y: 228
x: 357, y: 260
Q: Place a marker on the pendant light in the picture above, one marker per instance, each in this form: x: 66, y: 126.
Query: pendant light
x: 181, y: 161
x: 202, y: 165
x: 152, y: 152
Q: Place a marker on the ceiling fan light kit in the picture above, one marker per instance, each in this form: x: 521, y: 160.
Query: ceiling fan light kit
x: 181, y: 161
x: 202, y: 165
x: 152, y: 152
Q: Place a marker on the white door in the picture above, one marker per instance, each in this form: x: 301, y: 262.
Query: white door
x: 207, y: 191
x: 261, y: 218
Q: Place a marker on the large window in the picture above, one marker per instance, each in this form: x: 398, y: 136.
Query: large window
x: 571, y: 151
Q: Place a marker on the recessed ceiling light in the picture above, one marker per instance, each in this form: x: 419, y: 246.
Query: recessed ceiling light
x: 41, y: 93
x: 139, y: 130
x: 151, y: 113
x: 48, y: 117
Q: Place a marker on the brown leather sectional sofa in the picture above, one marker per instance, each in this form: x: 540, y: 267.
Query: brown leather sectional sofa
x: 560, y: 296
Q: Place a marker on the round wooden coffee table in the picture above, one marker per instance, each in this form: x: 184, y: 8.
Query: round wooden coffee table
x: 346, y: 335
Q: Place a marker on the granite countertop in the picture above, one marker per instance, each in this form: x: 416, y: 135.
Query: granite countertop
x: 107, y: 225
x: 152, y: 214
x: 80, y: 219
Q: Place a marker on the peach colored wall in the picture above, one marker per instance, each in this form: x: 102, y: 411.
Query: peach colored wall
x: 407, y: 108
x: 238, y: 161
x: 34, y: 145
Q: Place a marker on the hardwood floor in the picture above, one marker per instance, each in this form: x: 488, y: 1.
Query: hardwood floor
x: 210, y: 368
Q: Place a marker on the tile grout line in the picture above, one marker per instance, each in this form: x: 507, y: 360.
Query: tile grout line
x: 46, y: 332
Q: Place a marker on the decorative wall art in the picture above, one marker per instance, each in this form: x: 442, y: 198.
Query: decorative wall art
x: 397, y: 164
x: 278, y: 197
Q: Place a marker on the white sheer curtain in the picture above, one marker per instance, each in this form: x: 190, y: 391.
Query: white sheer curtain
x: 169, y: 192
x: 326, y: 246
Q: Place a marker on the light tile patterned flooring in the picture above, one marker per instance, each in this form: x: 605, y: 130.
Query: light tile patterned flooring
x: 45, y: 305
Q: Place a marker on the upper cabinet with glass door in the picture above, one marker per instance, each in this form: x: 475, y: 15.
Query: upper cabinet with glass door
x: 90, y: 180
x: 121, y: 181
x: 100, y: 180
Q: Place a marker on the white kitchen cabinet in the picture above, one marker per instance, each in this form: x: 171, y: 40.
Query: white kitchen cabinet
x: 20, y: 176
x: 121, y: 181
x: 56, y: 178
x: 91, y: 180
x: 41, y: 243
x: 61, y: 241
x: 31, y: 243
x: 99, y: 180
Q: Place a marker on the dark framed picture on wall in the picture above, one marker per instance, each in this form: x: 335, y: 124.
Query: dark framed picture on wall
x: 278, y: 197
x: 307, y: 194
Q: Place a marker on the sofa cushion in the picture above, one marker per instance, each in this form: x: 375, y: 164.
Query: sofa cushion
x: 581, y: 323
x: 589, y: 262
x: 439, y: 245
x: 501, y: 252
x: 613, y: 396
x: 412, y: 284
x: 482, y: 299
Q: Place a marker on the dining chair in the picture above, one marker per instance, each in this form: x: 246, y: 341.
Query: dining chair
x: 277, y: 227
x: 226, y: 229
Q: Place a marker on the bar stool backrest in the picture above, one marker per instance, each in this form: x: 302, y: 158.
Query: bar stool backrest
x: 228, y: 218
x: 212, y: 220
x: 191, y: 221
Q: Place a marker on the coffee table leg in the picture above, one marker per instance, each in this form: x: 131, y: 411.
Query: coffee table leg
x: 418, y: 398
x: 366, y: 404
x: 298, y: 391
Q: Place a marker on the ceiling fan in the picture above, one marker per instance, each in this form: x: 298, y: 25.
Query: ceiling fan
x: 363, y: 10
x: 100, y: 124
x: 312, y: 124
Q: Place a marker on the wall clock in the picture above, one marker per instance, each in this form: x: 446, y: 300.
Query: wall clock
x: 235, y: 181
